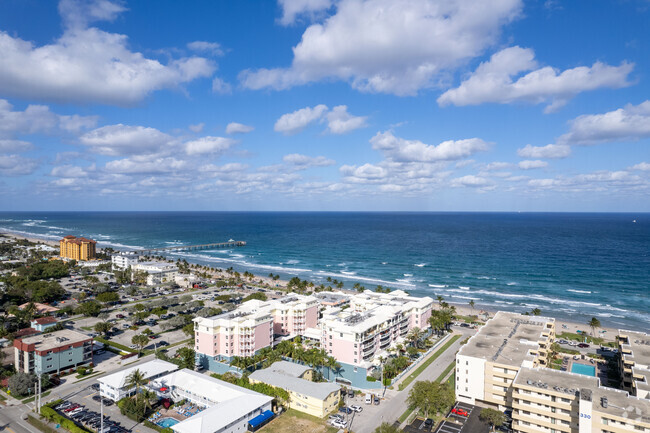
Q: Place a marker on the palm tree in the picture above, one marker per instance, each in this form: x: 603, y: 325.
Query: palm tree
x: 149, y: 397
x: 471, y: 304
x: 440, y: 299
x: 135, y: 380
x: 594, y: 323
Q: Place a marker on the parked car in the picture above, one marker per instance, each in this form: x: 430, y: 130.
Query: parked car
x: 339, y: 424
x: 428, y: 423
x: 583, y: 345
x: 459, y: 411
x: 376, y: 400
x: 345, y: 409
x: 562, y: 341
x: 356, y: 408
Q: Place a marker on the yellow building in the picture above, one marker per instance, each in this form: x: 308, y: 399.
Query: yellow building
x: 76, y: 248
x: 314, y: 398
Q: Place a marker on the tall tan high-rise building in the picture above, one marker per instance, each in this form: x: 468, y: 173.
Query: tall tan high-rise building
x: 76, y: 248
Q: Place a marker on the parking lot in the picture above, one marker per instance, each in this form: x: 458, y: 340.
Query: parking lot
x: 85, y: 398
x: 369, y: 411
x: 463, y: 418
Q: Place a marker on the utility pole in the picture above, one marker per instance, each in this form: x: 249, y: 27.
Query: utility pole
x: 101, y: 413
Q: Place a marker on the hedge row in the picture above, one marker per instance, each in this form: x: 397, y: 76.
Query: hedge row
x: 66, y: 423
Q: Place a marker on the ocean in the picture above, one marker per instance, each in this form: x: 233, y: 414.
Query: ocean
x: 569, y: 265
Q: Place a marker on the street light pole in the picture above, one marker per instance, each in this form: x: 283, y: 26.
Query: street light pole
x: 101, y: 413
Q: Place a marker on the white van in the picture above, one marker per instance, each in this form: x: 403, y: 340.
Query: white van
x: 368, y: 398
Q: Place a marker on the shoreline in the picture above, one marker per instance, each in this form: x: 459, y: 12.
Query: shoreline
x: 562, y: 325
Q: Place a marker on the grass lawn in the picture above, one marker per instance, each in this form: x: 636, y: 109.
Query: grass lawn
x: 294, y: 421
x: 581, y: 337
x: 113, y: 344
x: 411, y: 377
x: 32, y: 398
x: 446, y: 372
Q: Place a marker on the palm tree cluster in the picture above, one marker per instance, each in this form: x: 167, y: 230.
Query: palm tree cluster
x: 265, y: 357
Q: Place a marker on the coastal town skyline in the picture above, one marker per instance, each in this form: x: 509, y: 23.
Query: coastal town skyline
x: 324, y: 105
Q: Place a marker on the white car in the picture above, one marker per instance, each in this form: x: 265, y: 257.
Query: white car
x: 339, y: 424
x: 356, y: 408
x: 133, y: 346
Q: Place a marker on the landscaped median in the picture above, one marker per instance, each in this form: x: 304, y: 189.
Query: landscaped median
x: 113, y: 344
x: 411, y: 377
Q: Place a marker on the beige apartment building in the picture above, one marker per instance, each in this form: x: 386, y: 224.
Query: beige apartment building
x: 634, y: 348
x: 504, y: 366
x: 554, y: 401
x: 487, y: 365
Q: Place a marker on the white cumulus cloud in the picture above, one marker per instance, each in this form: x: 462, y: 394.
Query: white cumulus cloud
x: 402, y: 150
x: 629, y: 123
x: 550, y: 151
x: 532, y: 164
x: 339, y: 121
x: 87, y: 64
x: 208, y: 145
x: 294, y: 122
x: 238, y: 128
x: 292, y: 9
x: 642, y: 166
x: 499, y: 81
x: 390, y: 46
x: 307, y: 161
x: 116, y: 140
x: 206, y: 47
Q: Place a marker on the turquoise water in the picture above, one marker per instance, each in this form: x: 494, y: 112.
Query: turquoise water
x: 167, y: 422
x: 572, y: 266
x: 587, y: 370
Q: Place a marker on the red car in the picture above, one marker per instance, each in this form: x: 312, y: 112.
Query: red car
x: 460, y: 412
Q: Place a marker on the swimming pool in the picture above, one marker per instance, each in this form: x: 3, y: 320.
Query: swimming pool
x: 587, y: 370
x: 167, y: 422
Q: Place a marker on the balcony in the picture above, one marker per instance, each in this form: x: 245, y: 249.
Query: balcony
x: 368, y: 349
x: 368, y: 339
x: 385, y: 336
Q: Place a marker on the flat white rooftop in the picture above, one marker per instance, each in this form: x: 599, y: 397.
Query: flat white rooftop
x: 148, y: 369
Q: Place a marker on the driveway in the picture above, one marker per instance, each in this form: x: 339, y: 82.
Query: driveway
x: 394, y: 403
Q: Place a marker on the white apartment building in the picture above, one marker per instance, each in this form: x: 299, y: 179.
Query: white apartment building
x: 489, y: 362
x: 125, y: 259
x: 115, y: 386
x: 229, y: 408
x: 634, y: 348
x: 157, y: 272
x: 553, y: 401
x: 371, y: 324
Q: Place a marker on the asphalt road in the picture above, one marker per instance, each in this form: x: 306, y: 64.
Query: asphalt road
x: 394, y: 404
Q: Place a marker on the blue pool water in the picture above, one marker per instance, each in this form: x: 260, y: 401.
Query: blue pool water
x: 587, y: 370
x: 167, y: 422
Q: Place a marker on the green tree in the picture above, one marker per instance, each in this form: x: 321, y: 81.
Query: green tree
x: 189, y: 329
x: 136, y: 379
x: 103, y: 327
x: 187, y: 357
x: 22, y: 384
x: 107, y: 297
x: 141, y: 341
x: 257, y: 295
x: 431, y: 398
x: 90, y: 308
x: 493, y: 417
x: 594, y: 324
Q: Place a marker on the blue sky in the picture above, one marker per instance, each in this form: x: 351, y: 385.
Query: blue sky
x: 503, y: 105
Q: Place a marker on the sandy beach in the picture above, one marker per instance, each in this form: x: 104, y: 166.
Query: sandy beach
x: 561, y: 325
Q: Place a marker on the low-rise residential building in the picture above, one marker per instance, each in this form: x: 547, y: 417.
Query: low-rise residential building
x: 157, y: 272
x: 41, y: 309
x: 314, y: 398
x: 252, y: 326
x: 44, y: 323
x: 229, y: 408
x: 634, y: 348
x: 489, y: 362
x: 116, y: 386
x: 74, y: 248
x: 553, y: 401
x: 53, y: 352
x: 123, y: 260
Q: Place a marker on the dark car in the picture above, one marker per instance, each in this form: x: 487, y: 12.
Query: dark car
x: 428, y: 423
x: 163, y: 343
x: 345, y: 409
x: 376, y: 400
x: 351, y: 393
x: 583, y: 345
x: 97, y: 398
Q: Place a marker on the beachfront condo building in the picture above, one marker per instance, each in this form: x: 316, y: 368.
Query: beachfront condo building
x: 74, y: 248
x: 252, y: 327
x: 123, y: 260
x: 554, y: 401
x: 372, y: 323
x: 53, y: 352
x: 157, y: 272
x: 489, y: 362
x: 634, y: 362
